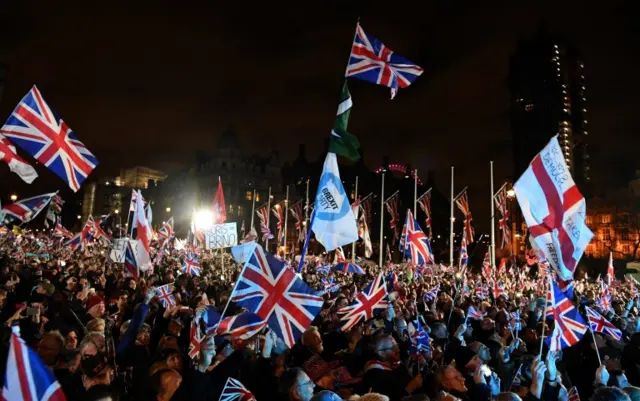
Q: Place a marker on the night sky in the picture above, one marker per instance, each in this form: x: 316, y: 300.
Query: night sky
x: 150, y: 84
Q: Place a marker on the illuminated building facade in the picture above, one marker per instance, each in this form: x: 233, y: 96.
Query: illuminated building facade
x: 548, y: 98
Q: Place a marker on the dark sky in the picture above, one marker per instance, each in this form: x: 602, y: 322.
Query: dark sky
x: 149, y: 84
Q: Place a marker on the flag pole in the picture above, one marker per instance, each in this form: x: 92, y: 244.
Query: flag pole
x: 493, y: 220
x: 253, y: 210
x: 353, y: 245
x: 286, y: 216
x: 595, y: 344
x: 451, y: 221
x: 381, y: 220
x: 266, y: 243
x: 415, y: 192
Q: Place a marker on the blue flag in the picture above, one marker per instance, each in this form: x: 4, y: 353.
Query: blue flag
x: 334, y: 224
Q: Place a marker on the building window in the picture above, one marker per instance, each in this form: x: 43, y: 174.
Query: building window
x: 606, y: 218
x: 257, y: 196
x: 240, y: 211
x: 528, y: 107
x: 249, y: 195
x: 607, y: 235
x: 231, y: 209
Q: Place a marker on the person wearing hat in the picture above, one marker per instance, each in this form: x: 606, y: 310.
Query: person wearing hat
x: 95, y: 308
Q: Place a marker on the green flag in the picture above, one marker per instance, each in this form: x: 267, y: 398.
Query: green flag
x: 341, y: 142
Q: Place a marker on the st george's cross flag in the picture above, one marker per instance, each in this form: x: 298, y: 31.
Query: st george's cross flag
x: 16, y: 163
x: 372, y: 61
x: 554, y: 210
x: 334, y: 223
x: 273, y: 291
x: 143, y: 235
x: 34, y: 127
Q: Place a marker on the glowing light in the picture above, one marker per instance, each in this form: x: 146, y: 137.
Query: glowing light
x: 117, y: 211
x: 14, y: 198
x: 203, y: 219
x: 168, y: 210
x: 511, y: 193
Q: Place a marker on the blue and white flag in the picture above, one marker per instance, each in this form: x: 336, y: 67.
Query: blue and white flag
x: 334, y: 224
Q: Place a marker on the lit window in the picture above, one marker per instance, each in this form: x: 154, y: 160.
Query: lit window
x: 240, y: 211
x: 528, y: 107
x: 606, y: 218
x: 230, y: 209
x: 257, y: 196
x: 249, y: 195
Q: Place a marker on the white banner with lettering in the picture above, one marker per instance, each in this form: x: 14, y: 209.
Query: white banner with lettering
x: 118, y: 248
x: 221, y: 236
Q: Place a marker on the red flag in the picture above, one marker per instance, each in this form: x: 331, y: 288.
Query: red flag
x: 219, y: 208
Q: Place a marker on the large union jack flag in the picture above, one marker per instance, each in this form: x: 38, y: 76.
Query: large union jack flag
x: 27, y: 377
x: 372, y: 298
x: 166, y: 234
x: 601, y: 325
x: 26, y: 210
x: 235, y: 391
x: 415, y: 243
x: 34, y: 127
x: 425, y: 204
x: 462, y: 201
x: 569, y: 327
x: 372, y: 61
x: 301, y: 228
x: 273, y: 291
x: 391, y: 205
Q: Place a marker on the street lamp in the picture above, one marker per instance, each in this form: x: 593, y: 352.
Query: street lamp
x: 117, y: 211
x: 168, y: 210
x: 79, y: 217
x: 511, y: 193
x: 14, y: 197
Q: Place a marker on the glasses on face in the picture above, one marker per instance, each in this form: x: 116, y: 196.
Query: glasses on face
x: 307, y: 383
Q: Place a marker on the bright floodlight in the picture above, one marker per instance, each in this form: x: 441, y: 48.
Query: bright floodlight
x: 203, y: 219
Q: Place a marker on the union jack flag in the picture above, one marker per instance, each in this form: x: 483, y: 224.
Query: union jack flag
x: 338, y: 255
x: 26, y: 376
x: 372, y: 61
x: 366, y: 208
x: 134, y: 198
x: 430, y: 295
x: 501, y: 204
x: 604, y: 299
x: 277, y: 295
x: 569, y: 326
x: 165, y: 295
x: 263, y: 215
x: 195, y: 340
x: 191, y: 265
x: 473, y: 313
x: 486, y: 266
x: 425, y: 205
x: 498, y: 289
x: 278, y: 211
x: 415, y: 244
x: 26, y: 210
x: 95, y: 230
x: 235, y: 391
x: 242, y: 326
x: 372, y: 298
x: 464, y: 255
x: 418, y: 339
x: 392, y: 207
x: 481, y: 291
x: 166, y: 234
x: 515, y: 323
x: 462, y: 201
x: 81, y: 239
x: 130, y: 264
x: 601, y: 325
x: 34, y: 127
x: 296, y: 212
x: 60, y: 231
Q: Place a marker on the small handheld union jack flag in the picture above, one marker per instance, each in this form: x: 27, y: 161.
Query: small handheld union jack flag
x: 573, y: 394
x: 372, y: 61
x: 34, y: 127
x: 601, y: 325
x: 191, y: 265
x: 569, y: 327
x: 241, y: 326
x: 165, y: 295
x: 235, y: 391
x: 430, y: 295
x: 474, y: 314
x: 372, y: 298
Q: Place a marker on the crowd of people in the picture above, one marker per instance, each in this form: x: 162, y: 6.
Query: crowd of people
x: 445, y: 334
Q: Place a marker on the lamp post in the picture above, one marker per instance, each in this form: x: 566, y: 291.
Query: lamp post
x: 14, y: 197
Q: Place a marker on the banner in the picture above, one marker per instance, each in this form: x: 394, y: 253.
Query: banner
x: 221, y: 236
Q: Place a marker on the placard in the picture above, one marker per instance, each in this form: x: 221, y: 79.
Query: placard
x: 119, y: 247
x: 221, y: 236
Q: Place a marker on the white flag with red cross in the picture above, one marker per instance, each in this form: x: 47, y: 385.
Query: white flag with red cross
x: 554, y: 210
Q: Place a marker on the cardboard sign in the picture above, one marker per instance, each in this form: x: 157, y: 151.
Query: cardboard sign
x: 221, y: 236
x: 119, y: 247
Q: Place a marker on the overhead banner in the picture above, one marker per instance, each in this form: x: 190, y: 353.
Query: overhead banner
x: 221, y: 236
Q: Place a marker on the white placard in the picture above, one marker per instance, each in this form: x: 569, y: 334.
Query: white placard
x: 221, y: 236
x: 119, y: 247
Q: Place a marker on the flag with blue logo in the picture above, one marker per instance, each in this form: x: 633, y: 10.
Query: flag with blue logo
x: 334, y: 223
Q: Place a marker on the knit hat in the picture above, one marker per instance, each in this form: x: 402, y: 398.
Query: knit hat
x: 48, y: 287
x: 93, y: 301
